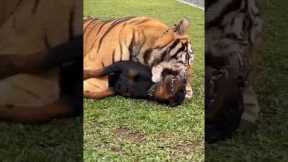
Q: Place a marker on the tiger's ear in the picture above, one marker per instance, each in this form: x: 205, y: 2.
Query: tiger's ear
x: 182, y: 27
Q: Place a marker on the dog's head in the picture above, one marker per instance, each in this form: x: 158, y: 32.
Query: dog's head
x: 170, y: 90
x: 170, y: 83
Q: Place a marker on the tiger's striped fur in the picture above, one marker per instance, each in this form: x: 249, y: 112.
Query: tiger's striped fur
x: 34, y: 34
x: 141, y: 39
x: 233, y: 34
x: 26, y: 28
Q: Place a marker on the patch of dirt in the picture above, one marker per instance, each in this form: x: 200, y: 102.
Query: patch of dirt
x: 181, y: 144
x: 186, y: 148
x: 116, y: 148
x: 128, y: 134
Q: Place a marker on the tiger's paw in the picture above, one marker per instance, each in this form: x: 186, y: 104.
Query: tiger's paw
x: 247, y: 127
x: 189, y: 92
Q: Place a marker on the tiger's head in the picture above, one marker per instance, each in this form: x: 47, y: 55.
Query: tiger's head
x: 170, y: 54
x: 169, y: 48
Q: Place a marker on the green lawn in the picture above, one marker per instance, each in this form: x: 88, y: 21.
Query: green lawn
x: 119, y: 129
x: 55, y: 141
x: 269, y: 142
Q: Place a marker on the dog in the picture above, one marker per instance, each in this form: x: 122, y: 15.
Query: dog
x: 133, y: 79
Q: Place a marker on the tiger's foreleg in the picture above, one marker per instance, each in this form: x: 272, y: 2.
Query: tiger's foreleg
x: 251, y: 108
x: 95, y: 94
x: 189, y: 91
x: 96, y: 87
x: 105, y: 71
x: 93, y: 73
x: 23, y: 114
x: 98, y: 95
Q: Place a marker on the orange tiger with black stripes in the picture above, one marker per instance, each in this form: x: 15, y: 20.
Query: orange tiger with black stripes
x: 166, y: 50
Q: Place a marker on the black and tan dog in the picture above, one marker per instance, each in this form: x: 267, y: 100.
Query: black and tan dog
x: 132, y: 79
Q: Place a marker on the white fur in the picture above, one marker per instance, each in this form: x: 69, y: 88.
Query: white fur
x: 158, y: 69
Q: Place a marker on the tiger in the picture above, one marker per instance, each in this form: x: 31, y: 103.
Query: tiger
x: 166, y: 50
x: 29, y: 29
x: 233, y: 37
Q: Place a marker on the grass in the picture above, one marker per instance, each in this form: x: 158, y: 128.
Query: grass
x: 57, y: 141
x: 269, y: 141
x: 120, y: 129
